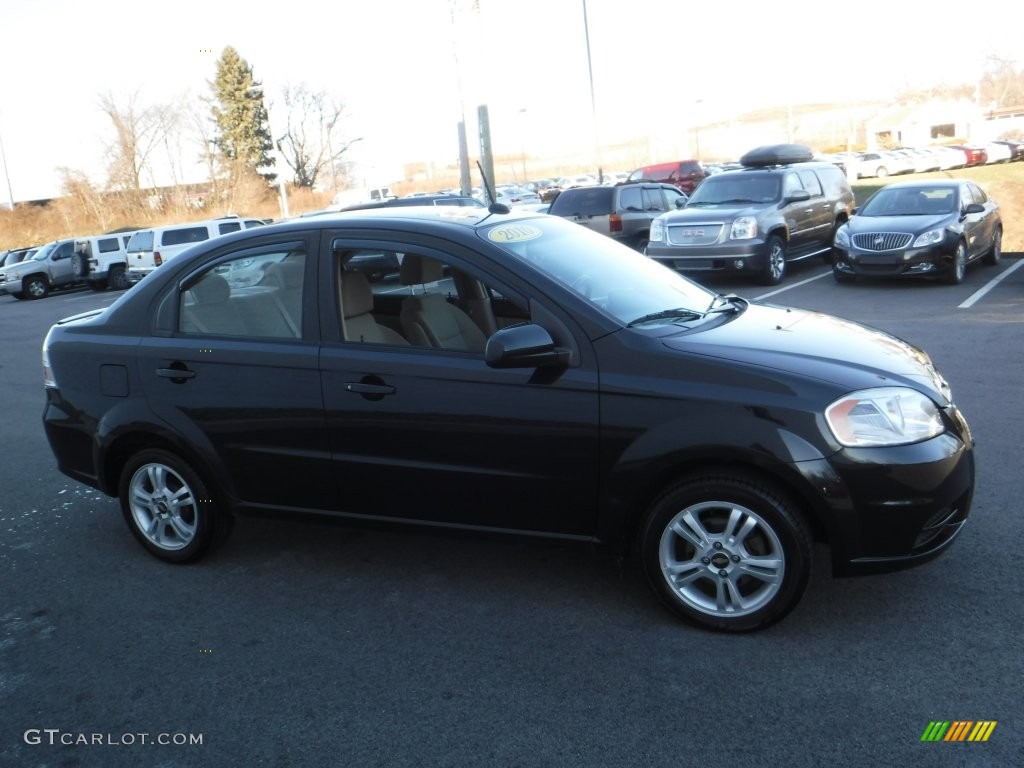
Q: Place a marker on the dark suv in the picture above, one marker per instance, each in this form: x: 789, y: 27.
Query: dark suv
x: 779, y: 207
x: 622, y: 212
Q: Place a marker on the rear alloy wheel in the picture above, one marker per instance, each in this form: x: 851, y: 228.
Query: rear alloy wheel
x: 117, y: 278
x: 775, y: 262
x: 882, y: 172
x: 36, y: 287
x: 169, y: 508
x: 996, y: 252
x: 726, y: 552
x: 958, y: 268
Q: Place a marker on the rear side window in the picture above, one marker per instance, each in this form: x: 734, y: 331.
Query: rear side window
x: 184, y: 235
x: 630, y: 199
x: 587, y: 201
x: 108, y: 244
x: 231, y: 226
x: 811, y: 183
x: 141, y: 241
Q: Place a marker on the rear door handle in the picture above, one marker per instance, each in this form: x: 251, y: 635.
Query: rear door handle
x: 369, y: 389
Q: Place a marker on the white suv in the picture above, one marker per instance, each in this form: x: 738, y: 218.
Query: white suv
x: 149, y: 248
x: 101, y: 260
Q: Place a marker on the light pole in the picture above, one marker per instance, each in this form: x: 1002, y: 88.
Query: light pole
x: 593, y: 101
x: 7, y: 174
x: 522, y: 139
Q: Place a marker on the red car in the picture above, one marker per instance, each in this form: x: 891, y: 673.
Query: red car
x: 975, y: 155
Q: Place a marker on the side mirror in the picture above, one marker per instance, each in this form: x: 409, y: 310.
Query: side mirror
x: 798, y: 196
x: 682, y: 201
x: 524, y: 346
x: 974, y: 208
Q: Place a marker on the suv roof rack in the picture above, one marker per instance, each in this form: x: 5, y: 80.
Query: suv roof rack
x: 777, y: 154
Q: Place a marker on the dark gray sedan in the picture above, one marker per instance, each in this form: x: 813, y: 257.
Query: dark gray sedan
x: 919, y: 228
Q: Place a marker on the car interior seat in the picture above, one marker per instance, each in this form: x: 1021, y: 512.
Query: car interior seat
x: 212, y: 310
x: 428, y: 320
x: 358, y: 322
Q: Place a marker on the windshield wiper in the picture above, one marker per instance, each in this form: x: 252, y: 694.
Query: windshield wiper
x: 737, y: 200
x: 680, y: 313
x: 726, y: 302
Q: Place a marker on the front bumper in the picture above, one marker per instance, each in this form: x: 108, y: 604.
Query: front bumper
x: 11, y: 285
x: 747, y: 256
x: 896, y: 507
x: 909, y: 262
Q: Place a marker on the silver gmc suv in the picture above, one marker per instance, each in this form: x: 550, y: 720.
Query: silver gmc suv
x: 778, y: 208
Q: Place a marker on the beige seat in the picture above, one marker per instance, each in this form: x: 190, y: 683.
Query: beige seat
x: 428, y: 320
x: 358, y: 323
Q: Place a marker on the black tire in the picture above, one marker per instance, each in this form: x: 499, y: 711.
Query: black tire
x: 958, y: 266
x: 35, y: 287
x: 169, y: 508
x: 79, y: 266
x: 843, y: 277
x: 117, y: 278
x: 641, y: 244
x: 995, y: 253
x: 775, y: 261
x: 19, y: 296
x: 706, y: 545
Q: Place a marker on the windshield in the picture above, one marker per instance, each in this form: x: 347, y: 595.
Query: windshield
x: 736, y: 188
x: 913, y: 201
x: 622, y: 282
x: 44, y: 252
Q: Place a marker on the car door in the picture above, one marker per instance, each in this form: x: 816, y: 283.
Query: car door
x: 60, y: 264
x: 818, y: 213
x: 433, y: 434
x: 233, y: 371
x: 979, y: 228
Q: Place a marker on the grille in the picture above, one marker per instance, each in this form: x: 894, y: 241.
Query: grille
x: 882, y: 241
x: 694, y: 234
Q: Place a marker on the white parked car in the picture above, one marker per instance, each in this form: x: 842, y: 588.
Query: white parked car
x: 998, y: 153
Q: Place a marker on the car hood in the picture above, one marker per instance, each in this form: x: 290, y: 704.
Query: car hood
x: 817, y: 346
x: 715, y: 212
x: 859, y: 224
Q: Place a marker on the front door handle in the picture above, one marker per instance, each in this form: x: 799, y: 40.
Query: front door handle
x: 369, y: 389
x: 177, y: 373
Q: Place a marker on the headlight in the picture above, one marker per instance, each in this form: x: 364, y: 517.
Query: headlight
x: 843, y: 237
x: 48, y: 378
x: 883, y: 416
x: 657, y: 233
x: 930, y: 238
x: 743, y: 228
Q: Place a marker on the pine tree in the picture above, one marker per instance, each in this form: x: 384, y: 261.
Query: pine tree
x: 242, y: 135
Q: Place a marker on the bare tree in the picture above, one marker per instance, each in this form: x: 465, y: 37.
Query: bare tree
x: 1002, y: 85
x: 312, y: 142
x: 86, y: 198
x: 137, y: 131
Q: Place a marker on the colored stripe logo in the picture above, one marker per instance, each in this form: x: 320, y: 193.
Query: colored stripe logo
x: 959, y: 730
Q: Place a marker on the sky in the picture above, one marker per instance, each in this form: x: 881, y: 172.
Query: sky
x: 408, y: 70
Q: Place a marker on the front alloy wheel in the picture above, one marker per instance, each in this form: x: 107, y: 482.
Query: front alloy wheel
x: 775, y: 265
x: 169, y: 508
x: 726, y: 552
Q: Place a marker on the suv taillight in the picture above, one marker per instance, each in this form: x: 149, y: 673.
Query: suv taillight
x: 614, y: 223
x: 157, y: 261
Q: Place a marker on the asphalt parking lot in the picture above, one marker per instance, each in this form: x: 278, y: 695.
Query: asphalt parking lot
x: 311, y: 643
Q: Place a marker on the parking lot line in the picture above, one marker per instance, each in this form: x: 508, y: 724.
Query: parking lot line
x: 794, y: 285
x: 977, y: 295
